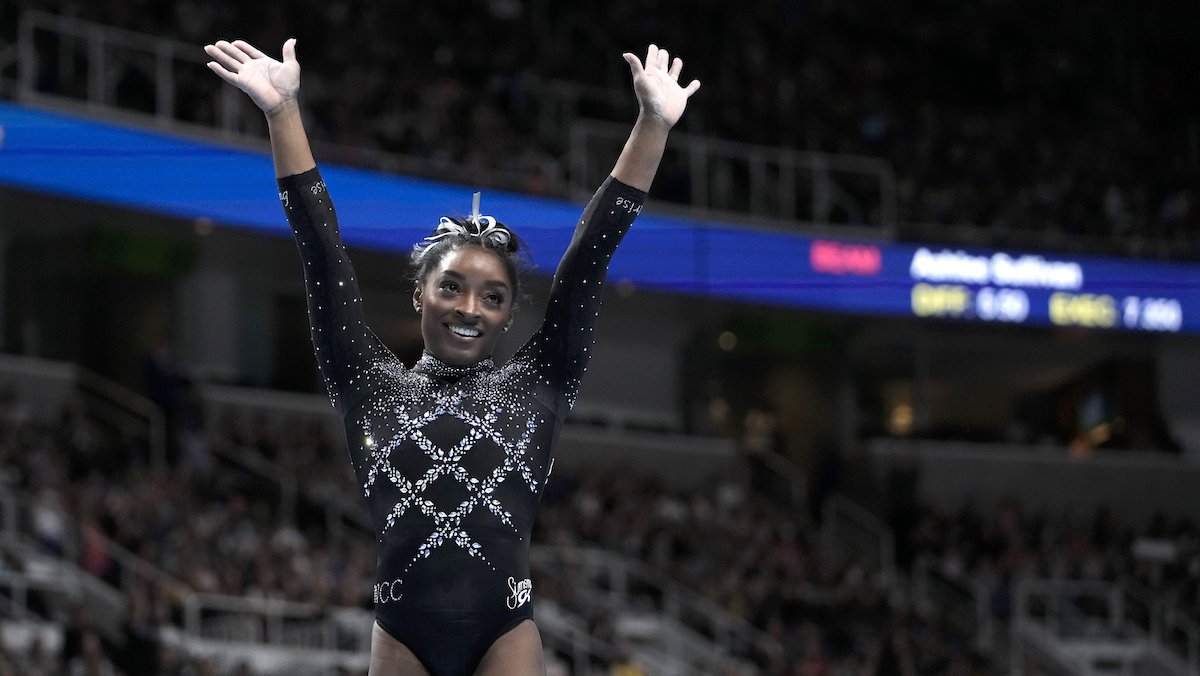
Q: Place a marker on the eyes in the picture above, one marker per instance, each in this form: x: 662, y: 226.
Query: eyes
x: 451, y: 287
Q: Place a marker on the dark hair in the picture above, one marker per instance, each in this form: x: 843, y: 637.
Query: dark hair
x: 454, y: 234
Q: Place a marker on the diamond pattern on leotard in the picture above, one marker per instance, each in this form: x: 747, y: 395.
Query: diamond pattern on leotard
x: 454, y: 402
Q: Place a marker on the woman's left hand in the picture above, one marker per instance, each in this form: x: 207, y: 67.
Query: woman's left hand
x: 657, y: 88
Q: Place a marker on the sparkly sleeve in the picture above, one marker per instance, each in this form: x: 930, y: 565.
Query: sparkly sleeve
x: 562, y: 344
x: 344, y: 346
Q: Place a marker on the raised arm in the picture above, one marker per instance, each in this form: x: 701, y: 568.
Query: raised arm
x: 562, y: 344
x: 344, y: 346
x: 661, y: 102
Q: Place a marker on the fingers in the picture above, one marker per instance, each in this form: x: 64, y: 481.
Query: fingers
x: 224, y: 74
x: 675, y: 68
x: 248, y: 48
x: 233, y: 51
x: 289, y: 50
x: 657, y: 58
x: 661, y: 59
x: 635, y: 64
x: 221, y: 56
x: 691, y: 88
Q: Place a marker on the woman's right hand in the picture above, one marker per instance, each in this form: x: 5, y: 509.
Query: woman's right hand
x: 268, y: 82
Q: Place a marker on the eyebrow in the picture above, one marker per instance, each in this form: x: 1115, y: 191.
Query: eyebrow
x: 490, y: 282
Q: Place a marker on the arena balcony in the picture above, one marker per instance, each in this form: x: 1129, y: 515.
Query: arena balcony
x: 118, y: 75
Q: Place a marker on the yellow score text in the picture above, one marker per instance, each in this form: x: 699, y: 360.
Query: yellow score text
x: 1083, y: 309
x: 940, y: 300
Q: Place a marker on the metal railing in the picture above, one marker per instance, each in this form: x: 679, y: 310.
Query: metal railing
x: 58, y: 585
x: 9, y: 517
x: 85, y: 67
x: 720, y: 177
x: 55, y: 382
x: 221, y: 400
x: 265, y: 470
x: 790, y: 484
x: 557, y: 104
x: 19, y: 589
x: 567, y: 635
x: 275, y: 622
x: 127, y: 410
x: 130, y: 569
x: 1087, y: 627
x: 775, y: 187
x: 340, y: 510
x: 699, y: 632
x: 963, y: 601
x: 849, y: 528
x: 99, y: 47
x: 112, y: 72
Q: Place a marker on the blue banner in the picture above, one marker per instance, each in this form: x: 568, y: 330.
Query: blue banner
x: 59, y: 154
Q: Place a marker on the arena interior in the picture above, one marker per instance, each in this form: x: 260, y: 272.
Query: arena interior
x: 898, y: 373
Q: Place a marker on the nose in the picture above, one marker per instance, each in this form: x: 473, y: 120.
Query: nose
x: 469, y: 307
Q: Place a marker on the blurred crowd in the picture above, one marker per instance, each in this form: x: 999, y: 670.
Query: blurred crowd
x: 757, y: 560
x: 1077, y: 122
x: 213, y: 524
x: 998, y: 549
x: 215, y: 529
x: 769, y: 565
x: 207, y: 527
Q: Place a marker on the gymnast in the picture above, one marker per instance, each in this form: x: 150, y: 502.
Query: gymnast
x: 453, y: 453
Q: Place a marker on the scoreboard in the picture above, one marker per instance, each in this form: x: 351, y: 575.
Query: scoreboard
x: 952, y: 283
x: 1053, y: 292
x: 990, y: 286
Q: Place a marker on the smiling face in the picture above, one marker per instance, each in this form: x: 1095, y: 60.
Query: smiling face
x: 465, y: 302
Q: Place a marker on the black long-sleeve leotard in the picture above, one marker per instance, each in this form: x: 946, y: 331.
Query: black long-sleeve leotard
x: 452, y: 460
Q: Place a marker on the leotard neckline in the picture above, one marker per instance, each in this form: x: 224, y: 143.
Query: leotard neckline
x: 431, y: 365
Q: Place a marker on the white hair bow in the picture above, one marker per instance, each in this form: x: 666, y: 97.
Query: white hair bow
x: 485, y: 228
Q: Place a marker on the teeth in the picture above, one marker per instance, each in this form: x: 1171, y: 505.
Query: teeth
x: 464, y: 331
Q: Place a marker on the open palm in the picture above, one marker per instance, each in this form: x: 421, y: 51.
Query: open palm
x: 657, y: 84
x: 268, y: 82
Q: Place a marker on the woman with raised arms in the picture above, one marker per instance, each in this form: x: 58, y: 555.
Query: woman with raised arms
x: 454, y: 452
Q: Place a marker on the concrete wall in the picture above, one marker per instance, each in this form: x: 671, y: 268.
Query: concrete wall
x: 1135, y: 485
x: 1179, y: 391
x: 678, y: 462
x: 42, y: 387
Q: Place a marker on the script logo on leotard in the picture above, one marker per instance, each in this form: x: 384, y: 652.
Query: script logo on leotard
x: 521, y: 591
x: 283, y: 197
x: 629, y: 205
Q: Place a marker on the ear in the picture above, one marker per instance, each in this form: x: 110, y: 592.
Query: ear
x: 511, y: 316
x: 417, y: 298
